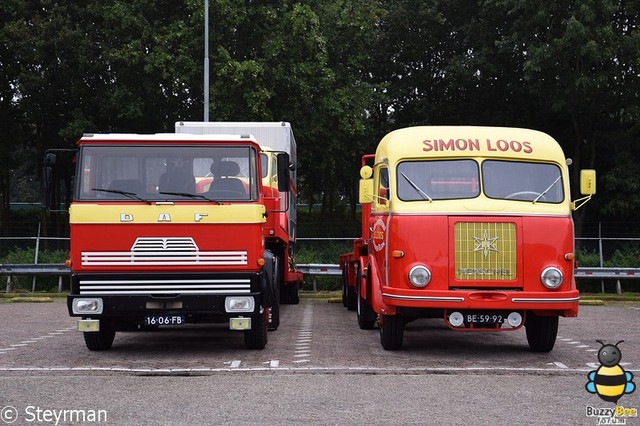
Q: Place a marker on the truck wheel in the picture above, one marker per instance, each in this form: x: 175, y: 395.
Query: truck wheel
x: 100, y: 340
x: 274, y: 317
x: 352, y: 300
x: 391, y: 331
x: 344, y: 285
x: 366, y: 315
x: 289, y: 294
x: 294, y: 293
x: 352, y: 296
x: 256, y: 338
x: 541, y: 332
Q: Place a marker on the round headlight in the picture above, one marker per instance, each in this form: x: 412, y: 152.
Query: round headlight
x: 552, y: 278
x: 419, y: 276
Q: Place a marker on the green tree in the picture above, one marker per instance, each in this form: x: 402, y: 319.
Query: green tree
x: 580, y: 64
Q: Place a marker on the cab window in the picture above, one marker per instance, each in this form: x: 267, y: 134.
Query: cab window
x: 438, y: 180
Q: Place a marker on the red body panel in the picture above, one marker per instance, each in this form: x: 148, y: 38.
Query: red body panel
x: 207, y: 237
x: 541, y: 242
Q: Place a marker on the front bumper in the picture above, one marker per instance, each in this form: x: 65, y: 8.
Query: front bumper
x: 129, y: 298
x: 561, y: 303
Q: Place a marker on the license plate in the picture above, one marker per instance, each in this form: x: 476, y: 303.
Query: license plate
x: 164, y: 320
x: 485, y: 318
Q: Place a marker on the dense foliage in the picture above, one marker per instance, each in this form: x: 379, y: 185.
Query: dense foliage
x: 343, y: 72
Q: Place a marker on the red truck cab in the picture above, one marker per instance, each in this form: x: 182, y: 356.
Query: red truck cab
x: 469, y: 224
x: 168, y: 229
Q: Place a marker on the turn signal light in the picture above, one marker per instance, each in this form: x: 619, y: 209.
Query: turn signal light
x: 261, y: 261
x: 67, y: 263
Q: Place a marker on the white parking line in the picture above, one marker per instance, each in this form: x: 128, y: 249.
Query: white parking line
x: 33, y: 340
x: 364, y: 369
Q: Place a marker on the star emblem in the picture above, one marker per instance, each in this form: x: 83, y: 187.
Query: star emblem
x: 486, y: 244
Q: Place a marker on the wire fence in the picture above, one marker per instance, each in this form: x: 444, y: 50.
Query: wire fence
x: 591, y: 252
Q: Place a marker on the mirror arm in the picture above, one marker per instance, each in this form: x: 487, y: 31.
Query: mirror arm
x: 575, y: 205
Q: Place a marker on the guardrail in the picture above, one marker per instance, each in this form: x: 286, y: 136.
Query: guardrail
x: 34, y: 270
x: 319, y: 269
x: 313, y: 269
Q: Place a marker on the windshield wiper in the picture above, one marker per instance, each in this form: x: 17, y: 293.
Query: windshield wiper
x: 132, y: 195
x: 188, y: 194
x: 423, y: 194
x: 546, y: 190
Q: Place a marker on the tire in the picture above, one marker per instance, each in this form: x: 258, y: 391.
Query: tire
x: 352, y: 296
x: 274, y: 317
x: 366, y: 315
x: 256, y: 338
x: 289, y: 294
x: 294, y: 293
x: 541, y: 332
x: 391, y: 331
x: 100, y: 340
x: 344, y: 285
x: 364, y: 311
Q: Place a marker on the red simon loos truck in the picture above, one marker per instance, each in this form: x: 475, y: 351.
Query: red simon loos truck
x: 469, y: 224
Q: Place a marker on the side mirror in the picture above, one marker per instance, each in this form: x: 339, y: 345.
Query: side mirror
x: 57, y: 176
x: 587, y: 187
x: 587, y: 182
x: 365, y: 189
x: 283, y: 171
x: 47, y: 181
x: 47, y: 188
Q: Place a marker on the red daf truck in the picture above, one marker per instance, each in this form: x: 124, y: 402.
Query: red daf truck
x: 280, y: 229
x: 151, y: 245
x: 469, y: 224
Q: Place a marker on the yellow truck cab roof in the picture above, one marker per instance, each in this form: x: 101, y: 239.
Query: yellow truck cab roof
x: 468, y: 141
x: 423, y: 143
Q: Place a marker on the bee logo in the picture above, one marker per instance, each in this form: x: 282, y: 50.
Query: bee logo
x: 610, y: 381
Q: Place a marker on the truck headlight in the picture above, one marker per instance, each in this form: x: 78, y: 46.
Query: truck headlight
x: 419, y: 276
x: 239, y: 304
x: 84, y: 306
x: 552, y: 278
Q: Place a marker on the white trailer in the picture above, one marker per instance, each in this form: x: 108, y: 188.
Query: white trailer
x: 273, y: 137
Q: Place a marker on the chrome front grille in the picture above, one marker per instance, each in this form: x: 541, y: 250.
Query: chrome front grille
x: 164, y: 251
x: 164, y: 286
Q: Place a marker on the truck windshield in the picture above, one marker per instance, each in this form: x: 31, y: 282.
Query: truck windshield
x: 438, y: 180
x: 162, y: 172
x: 459, y: 179
x: 513, y: 180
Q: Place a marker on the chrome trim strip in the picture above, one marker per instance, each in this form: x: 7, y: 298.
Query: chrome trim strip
x: 145, y: 258
x: 155, y: 287
x: 230, y: 281
x: 166, y: 291
x: 170, y: 286
x: 544, y: 300
x: 424, y: 298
